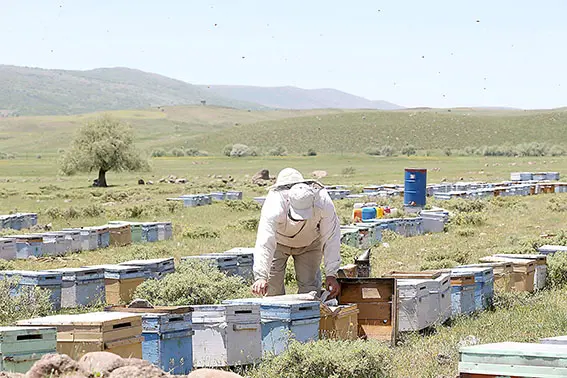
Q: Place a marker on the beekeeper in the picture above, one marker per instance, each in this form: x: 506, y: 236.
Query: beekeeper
x: 299, y: 220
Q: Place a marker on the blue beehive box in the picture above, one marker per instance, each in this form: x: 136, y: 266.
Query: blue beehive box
x: 218, y: 196
x: 27, y: 245
x: 245, y: 261
x: 81, y: 286
x: 156, y: 268
x: 285, y: 319
x: 484, y: 285
x: 190, y: 200
x: 50, y: 281
x: 103, y: 235
x: 21, y: 347
x: 234, y: 195
x: 462, y: 293
x: 225, y: 263
x: 149, y: 232
x: 168, y: 336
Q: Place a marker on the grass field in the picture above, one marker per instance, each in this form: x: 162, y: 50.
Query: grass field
x: 326, y: 131
x: 31, y: 184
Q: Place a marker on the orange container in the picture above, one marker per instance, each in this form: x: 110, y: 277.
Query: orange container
x: 357, y: 215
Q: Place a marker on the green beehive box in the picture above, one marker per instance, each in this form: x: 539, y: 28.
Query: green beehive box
x: 21, y: 347
x: 514, y: 359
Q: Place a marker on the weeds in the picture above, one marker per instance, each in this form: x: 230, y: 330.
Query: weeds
x: 243, y: 205
x: 557, y: 205
x: 25, y: 301
x: 464, y: 205
x: 200, y: 232
x: 468, y: 219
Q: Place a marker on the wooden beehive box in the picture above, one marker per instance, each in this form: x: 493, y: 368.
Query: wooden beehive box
x: 523, y: 273
x: 121, y: 281
x: 120, y: 234
x: 339, y: 322
x: 21, y: 347
x: 502, y: 274
x: 540, y: 276
x: 513, y: 360
x: 377, y: 304
x: 115, y: 332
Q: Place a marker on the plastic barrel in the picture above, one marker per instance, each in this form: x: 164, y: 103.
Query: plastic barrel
x: 415, y: 186
x: 368, y: 213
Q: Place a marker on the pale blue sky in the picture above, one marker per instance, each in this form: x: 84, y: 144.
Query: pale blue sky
x: 414, y: 53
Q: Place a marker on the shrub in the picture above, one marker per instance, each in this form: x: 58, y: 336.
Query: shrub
x: 448, y: 152
x: 348, y: 171
x: 329, y: 358
x: 381, y: 151
x: 177, y: 152
x: 465, y: 232
x: 192, y: 152
x: 243, y: 205
x: 556, y: 205
x: 465, y: 206
x: 92, y: 211
x: 194, y: 283
x: 439, y: 264
x: 557, y: 151
x: 311, y: 152
x: 200, y: 232
x: 557, y: 270
x: 250, y: 224
x: 409, y: 150
x: 29, y: 302
x: 241, y: 150
x: 158, y: 153
x: 227, y: 150
x: 348, y: 254
x: 468, y: 219
x: 278, y: 151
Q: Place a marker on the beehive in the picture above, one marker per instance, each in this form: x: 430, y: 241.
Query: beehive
x: 523, y: 273
x: 415, y: 304
x: 484, y: 285
x: 27, y: 245
x: 551, y: 249
x: 120, y: 234
x: 540, y: 275
x: 78, y: 334
x: 21, y: 347
x: 245, y: 262
x: 89, y: 238
x: 103, y: 235
x: 225, y: 263
x: 339, y: 322
x: 462, y: 293
x: 50, y: 281
x: 59, y: 243
x: 74, y: 238
x: 377, y: 304
x: 226, y: 335
x: 283, y: 320
x: 121, y: 281
x: 513, y: 360
x: 8, y: 250
x: 149, y: 232
x: 502, y: 274
x: 156, y: 268
x: 165, y: 230
x: 168, y: 336
x: 81, y: 286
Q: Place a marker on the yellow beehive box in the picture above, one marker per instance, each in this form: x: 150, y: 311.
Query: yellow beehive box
x: 340, y: 322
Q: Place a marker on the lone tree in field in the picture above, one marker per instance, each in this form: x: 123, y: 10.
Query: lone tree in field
x: 102, y: 145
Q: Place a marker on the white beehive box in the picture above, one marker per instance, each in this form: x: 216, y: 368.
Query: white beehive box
x: 226, y: 335
x: 415, y: 303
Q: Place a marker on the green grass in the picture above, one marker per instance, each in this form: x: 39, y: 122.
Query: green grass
x: 508, y: 224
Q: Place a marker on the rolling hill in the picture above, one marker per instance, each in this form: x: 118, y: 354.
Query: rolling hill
x: 36, y: 91
x: 298, y: 98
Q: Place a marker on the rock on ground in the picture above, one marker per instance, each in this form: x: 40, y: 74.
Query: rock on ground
x: 212, y: 373
x: 55, y: 365
x: 319, y: 174
x: 101, y: 362
x: 136, y: 371
x: 5, y: 374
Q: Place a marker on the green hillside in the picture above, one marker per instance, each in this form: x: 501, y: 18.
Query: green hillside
x: 425, y: 129
x: 36, y: 91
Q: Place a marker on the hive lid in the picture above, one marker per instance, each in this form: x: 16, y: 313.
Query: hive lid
x: 92, y: 318
x: 151, y: 310
x: 516, y: 349
x: 431, y: 274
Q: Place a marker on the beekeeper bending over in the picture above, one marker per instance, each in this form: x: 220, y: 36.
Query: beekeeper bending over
x: 299, y: 220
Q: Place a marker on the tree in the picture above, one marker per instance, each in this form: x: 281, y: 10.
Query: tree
x: 103, y: 144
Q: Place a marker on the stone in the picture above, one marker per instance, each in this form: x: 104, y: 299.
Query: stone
x: 149, y: 182
x: 181, y: 181
x: 101, y: 363
x: 137, y: 371
x: 263, y: 174
x: 141, y: 182
x: 56, y: 365
x: 319, y: 174
x: 212, y: 373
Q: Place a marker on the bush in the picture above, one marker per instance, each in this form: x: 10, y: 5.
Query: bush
x: 311, y: 152
x: 468, y: 219
x: 194, y: 283
x: 192, y: 152
x: 381, y: 151
x: 242, y: 150
x: 556, y: 205
x: 557, y: 270
x: 465, y: 232
x: 465, y: 206
x: 200, y: 232
x: 329, y: 358
x: 557, y: 151
x: 250, y: 224
x: 158, y: 153
x: 409, y: 150
x: 278, y: 151
x: 227, y: 150
x: 92, y: 211
x: 29, y: 302
x: 243, y: 205
x: 177, y: 152
x: 438, y: 264
x: 447, y: 152
x: 349, y: 254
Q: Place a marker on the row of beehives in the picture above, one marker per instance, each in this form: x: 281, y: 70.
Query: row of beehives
x: 534, y: 176
x: 369, y: 232
x: 58, y: 243
x: 502, y: 191
x: 194, y: 200
x: 18, y: 221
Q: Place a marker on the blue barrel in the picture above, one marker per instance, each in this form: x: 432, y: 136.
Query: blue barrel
x: 415, y: 188
x: 368, y: 213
